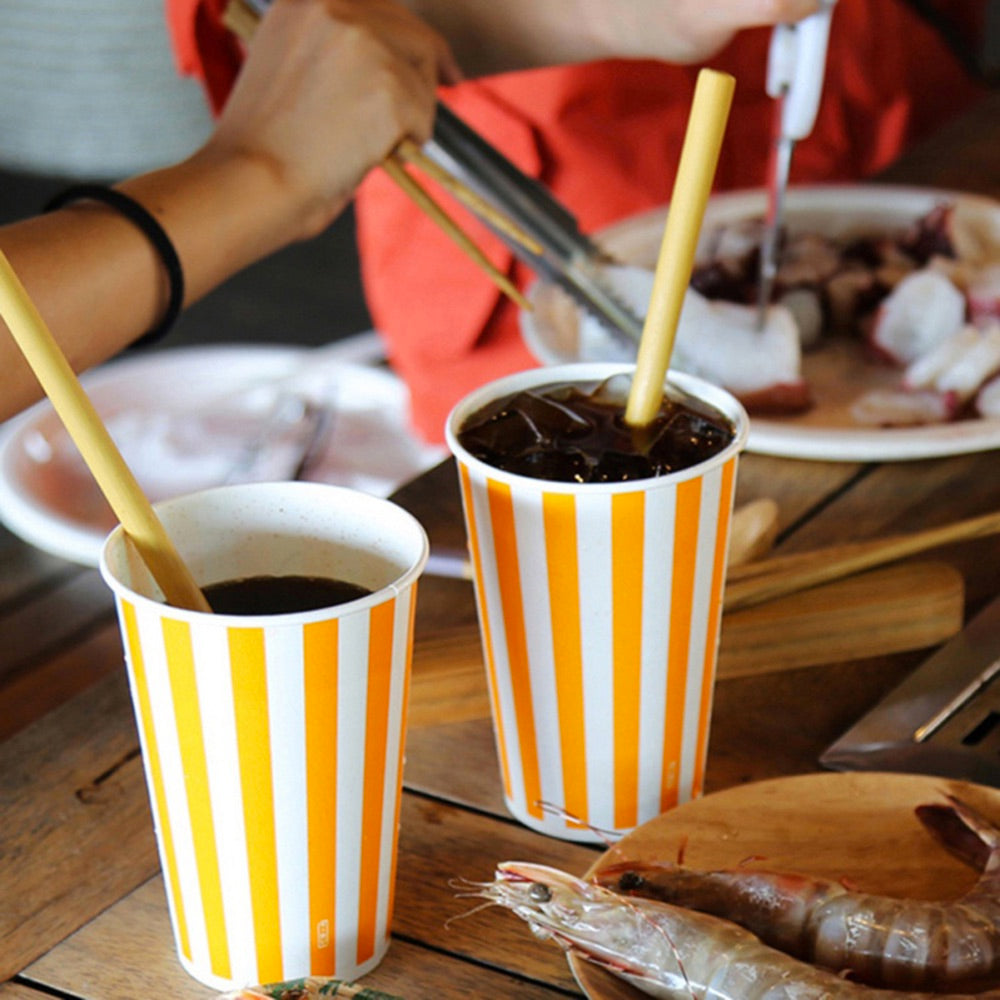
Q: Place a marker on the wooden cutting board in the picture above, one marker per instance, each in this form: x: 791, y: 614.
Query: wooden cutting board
x: 907, y: 606
x: 855, y: 826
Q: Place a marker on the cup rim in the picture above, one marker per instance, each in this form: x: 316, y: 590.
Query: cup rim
x: 691, y: 385
x: 393, y: 588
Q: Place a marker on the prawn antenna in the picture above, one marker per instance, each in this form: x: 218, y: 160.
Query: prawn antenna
x: 609, y: 837
x: 467, y: 889
x: 663, y: 933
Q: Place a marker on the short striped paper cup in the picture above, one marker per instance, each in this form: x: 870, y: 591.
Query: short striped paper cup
x: 273, y: 744
x: 599, y: 607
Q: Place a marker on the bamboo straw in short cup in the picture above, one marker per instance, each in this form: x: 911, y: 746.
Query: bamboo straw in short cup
x: 599, y: 607
x: 95, y: 444
x: 273, y: 743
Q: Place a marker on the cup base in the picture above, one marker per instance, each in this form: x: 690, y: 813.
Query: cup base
x: 222, y: 985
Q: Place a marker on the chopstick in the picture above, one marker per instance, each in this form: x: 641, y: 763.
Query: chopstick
x: 409, y: 186
x: 757, y: 582
x: 412, y: 153
x: 242, y: 21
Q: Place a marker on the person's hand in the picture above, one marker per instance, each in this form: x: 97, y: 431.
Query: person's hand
x: 328, y: 89
x: 690, y: 31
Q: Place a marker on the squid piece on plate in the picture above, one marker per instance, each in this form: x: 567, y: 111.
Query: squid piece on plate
x: 938, y: 385
x: 988, y: 398
x: 718, y: 341
x: 899, y: 408
x: 920, y: 313
x: 959, y: 364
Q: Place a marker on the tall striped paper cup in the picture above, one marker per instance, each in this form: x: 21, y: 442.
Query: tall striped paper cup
x: 599, y: 607
x: 273, y: 744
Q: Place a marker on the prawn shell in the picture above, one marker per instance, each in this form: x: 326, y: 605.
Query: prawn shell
x: 859, y: 827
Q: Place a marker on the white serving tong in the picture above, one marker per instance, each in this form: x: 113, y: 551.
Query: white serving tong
x: 795, y: 68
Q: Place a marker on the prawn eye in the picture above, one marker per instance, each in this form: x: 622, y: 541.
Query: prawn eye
x: 539, y: 893
x: 630, y: 881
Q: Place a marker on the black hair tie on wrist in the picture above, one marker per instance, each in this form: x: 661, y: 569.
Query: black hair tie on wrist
x: 152, y: 230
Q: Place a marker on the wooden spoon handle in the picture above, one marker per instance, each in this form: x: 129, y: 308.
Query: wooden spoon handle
x: 764, y: 580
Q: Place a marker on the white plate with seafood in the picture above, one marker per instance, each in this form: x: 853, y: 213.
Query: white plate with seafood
x: 840, y: 371
x: 189, y: 418
x: 856, y: 827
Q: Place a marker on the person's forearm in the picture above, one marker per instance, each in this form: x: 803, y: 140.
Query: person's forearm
x: 488, y: 36
x: 98, y: 282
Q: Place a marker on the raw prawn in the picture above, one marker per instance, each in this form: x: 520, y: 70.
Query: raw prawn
x: 883, y: 941
x: 663, y: 950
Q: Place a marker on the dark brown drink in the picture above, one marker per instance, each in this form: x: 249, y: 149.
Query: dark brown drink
x: 280, y: 595
x: 577, y: 433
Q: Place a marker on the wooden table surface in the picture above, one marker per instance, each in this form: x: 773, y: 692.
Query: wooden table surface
x: 82, y: 910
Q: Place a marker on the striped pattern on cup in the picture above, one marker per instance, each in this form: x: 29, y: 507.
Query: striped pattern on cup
x: 273, y: 756
x: 600, y: 610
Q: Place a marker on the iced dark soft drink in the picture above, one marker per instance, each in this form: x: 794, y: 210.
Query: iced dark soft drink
x: 573, y: 432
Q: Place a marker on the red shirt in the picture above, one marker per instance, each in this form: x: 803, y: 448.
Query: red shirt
x: 605, y: 138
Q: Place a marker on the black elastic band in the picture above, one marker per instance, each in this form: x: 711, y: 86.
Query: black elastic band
x: 152, y: 230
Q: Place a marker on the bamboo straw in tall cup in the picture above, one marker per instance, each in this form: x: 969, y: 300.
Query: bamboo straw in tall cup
x: 692, y: 187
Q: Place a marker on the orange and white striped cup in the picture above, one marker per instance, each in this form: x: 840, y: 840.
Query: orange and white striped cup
x: 599, y: 607
x: 273, y: 744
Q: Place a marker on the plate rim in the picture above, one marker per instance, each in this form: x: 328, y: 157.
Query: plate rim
x: 69, y: 539
x: 776, y: 438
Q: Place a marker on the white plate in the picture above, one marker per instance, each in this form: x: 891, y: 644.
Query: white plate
x: 186, y: 419
x: 837, y: 374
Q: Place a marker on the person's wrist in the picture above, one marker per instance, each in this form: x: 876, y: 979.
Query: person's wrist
x: 285, y: 206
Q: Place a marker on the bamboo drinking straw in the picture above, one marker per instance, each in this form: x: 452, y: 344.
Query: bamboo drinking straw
x: 695, y: 173
x: 95, y: 444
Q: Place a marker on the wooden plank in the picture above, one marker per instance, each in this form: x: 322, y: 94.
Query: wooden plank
x: 891, y: 610
x: 29, y: 694
x: 57, y: 616
x: 21, y: 991
x: 76, y: 832
x: 27, y: 568
x: 799, y: 486
x: 128, y: 951
x: 431, y: 768
x: 911, y: 605
x: 911, y: 496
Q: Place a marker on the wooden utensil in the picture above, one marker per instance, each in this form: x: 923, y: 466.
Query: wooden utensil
x: 752, y: 533
x: 884, y: 611
x: 95, y: 444
x: 764, y: 580
x: 695, y: 173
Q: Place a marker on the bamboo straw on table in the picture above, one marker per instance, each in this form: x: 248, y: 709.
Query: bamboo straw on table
x: 95, y: 444
x: 762, y: 581
x: 692, y: 187
x: 242, y: 21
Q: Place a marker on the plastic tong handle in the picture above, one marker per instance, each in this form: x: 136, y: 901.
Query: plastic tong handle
x: 795, y: 68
